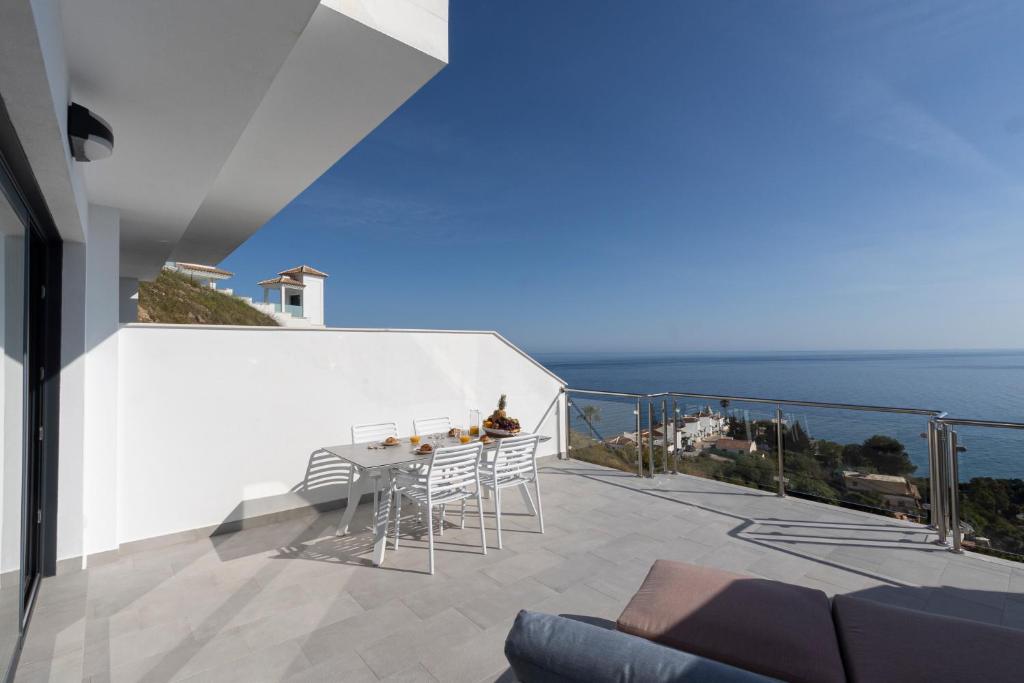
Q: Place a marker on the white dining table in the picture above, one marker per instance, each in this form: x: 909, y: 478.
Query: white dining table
x: 375, y: 463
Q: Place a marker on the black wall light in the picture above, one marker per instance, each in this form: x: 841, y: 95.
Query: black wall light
x: 89, y: 135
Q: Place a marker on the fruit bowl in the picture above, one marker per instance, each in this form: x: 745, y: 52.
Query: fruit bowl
x: 499, y: 423
x: 500, y: 432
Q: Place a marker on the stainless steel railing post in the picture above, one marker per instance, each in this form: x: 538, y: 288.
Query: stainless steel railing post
x: 650, y: 438
x: 564, y: 426
x: 664, y: 429
x: 675, y: 438
x: 933, y: 482
x: 778, y: 439
x: 942, y: 488
x: 954, y: 490
x: 639, y: 441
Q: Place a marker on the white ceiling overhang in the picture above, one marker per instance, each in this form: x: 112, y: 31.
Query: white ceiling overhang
x: 224, y: 111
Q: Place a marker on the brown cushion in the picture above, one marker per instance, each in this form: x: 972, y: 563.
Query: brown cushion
x: 886, y: 643
x: 769, y: 627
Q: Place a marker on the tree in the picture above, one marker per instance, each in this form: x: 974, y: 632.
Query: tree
x: 725, y: 404
x: 591, y: 414
x: 829, y: 455
x: 797, y: 439
x: 888, y: 455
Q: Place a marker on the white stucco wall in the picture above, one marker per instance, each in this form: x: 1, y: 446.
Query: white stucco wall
x: 273, y: 396
x: 313, y: 299
x: 102, y: 321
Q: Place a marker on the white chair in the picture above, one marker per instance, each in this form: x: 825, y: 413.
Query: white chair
x: 367, y: 433
x: 431, y: 425
x: 373, y: 432
x: 453, y: 475
x: 514, y: 464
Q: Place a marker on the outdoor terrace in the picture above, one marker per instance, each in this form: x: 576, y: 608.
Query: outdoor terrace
x: 290, y: 601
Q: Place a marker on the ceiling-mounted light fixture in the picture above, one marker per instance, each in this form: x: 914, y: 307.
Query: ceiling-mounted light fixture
x: 89, y: 135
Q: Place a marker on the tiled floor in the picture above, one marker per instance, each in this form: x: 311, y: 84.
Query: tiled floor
x: 292, y: 602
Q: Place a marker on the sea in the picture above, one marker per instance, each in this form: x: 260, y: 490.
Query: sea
x: 986, y: 385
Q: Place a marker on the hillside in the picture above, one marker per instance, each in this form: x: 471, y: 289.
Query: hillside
x: 174, y: 298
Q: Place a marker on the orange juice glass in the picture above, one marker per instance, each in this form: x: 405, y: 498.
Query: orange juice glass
x: 464, y: 438
x: 414, y: 439
x: 474, y: 430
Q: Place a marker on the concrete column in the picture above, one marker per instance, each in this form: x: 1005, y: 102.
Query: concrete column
x: 128, y: 299
x: 70, y: 484
x: 102, y: 319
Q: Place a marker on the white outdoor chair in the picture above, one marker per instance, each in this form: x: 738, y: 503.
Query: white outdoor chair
x: 453, y: 475
x: 514, y: 464
x: 431, y: 425
x: 367, y: 433
x: 374, y: 432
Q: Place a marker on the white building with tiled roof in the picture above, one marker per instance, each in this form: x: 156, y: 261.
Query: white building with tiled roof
x: 300, y: 292
x: 206, y: 275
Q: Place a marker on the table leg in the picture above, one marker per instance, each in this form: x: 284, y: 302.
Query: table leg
x: 381, y: 516
x: 359, y: 487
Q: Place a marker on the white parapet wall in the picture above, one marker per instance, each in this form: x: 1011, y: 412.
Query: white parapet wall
x: 218, y: 424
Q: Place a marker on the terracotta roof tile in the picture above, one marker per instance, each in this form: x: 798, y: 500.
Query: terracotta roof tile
x: 304, y: 270
x: 281, y: 280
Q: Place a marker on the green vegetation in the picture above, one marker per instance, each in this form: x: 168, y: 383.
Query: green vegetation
x: 174, y: 298
x: 995, y: 508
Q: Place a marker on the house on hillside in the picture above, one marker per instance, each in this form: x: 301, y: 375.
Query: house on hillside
x: 299, y: 291
x: 206, y: 276
x: 735, y: 446
x: 895, y: 491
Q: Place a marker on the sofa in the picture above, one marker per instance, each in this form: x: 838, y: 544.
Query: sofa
x: 694, y: 623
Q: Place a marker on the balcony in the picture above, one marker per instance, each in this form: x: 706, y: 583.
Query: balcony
x: 291, y: 601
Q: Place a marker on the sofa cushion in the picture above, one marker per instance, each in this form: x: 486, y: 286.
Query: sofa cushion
x: 542, y: 648
x: 886, y: 643
x: 773, y: 628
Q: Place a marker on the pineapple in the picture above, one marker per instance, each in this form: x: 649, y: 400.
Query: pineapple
x: 502, y: 402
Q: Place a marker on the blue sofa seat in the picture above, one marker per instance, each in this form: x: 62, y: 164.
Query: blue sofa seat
x: 542, y: 648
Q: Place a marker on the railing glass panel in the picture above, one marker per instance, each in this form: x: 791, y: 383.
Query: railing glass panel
x: 990, y: 466
x: 872, y: 461
x: 725, y: 440
x: 295, y: 311
x: 602, y: 430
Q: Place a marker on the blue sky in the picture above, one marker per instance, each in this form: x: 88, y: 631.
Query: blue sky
x: 675, y: 176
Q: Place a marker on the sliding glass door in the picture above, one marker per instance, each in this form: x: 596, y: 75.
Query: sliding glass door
x: 29, y: 391
x: 13, y: 425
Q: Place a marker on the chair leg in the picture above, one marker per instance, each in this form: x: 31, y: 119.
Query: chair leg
x: 540, y: 509
x: 430, y: 537
x: 440, y: 524
x: 398, y: 515
x: 480, y: 510
x: 462, y: 522
x: 528, y: 499
x: 497, y: 513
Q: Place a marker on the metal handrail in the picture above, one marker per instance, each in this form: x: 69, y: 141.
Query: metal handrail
x: 968, y: 422
x: 773, y: 401
x: 598, y: 392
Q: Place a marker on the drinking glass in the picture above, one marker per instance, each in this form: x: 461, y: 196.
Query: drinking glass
x: 414, y: 439
x: 474, y: 422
